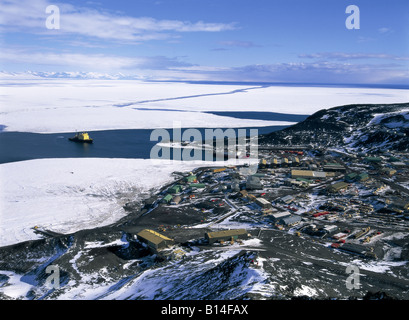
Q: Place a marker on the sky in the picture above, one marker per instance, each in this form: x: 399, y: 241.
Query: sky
x: 297, y: 41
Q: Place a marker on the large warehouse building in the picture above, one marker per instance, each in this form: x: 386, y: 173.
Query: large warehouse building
x: 226, y: 235
x: 308, y: 174
x: 154, y: 240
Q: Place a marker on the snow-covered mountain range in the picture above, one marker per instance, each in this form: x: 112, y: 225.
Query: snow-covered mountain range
x: 66, y: 75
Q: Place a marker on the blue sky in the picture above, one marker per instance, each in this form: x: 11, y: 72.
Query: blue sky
x: 220, y: 40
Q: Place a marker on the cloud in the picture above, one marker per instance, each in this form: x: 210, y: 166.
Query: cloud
x: 299, y: 72
x: 327, y: 72
x: 362, y: 39
x: 240, y: 44
x: 88, y: 62
x: 163, y: 63
x: 342, y: 56
x: 227, y: 45
x: 70, y: 60
x: 385, y: 30
x: 29, y: 16
x: 175, y: 68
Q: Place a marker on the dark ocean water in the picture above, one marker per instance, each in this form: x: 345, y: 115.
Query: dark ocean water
x: 18, y: 146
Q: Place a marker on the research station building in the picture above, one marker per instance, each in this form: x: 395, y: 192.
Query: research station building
x: 154, y: 240
x: 226, y: 235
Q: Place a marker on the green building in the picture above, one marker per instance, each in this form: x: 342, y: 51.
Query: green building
x: 175, y: 189
x: 197, y: 185
x: 167, y: 198
x: 190, y: 179
x: 308, y: 181
x: 363, y: 176
x: 351, y: 176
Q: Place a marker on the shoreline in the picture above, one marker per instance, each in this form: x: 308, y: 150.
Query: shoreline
x: 85, y: 192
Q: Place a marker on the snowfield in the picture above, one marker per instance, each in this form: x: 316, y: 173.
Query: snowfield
x: 67, y: 195
x: 67, y: 105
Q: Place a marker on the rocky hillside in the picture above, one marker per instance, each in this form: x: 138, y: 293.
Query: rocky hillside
x: 370, y: 128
